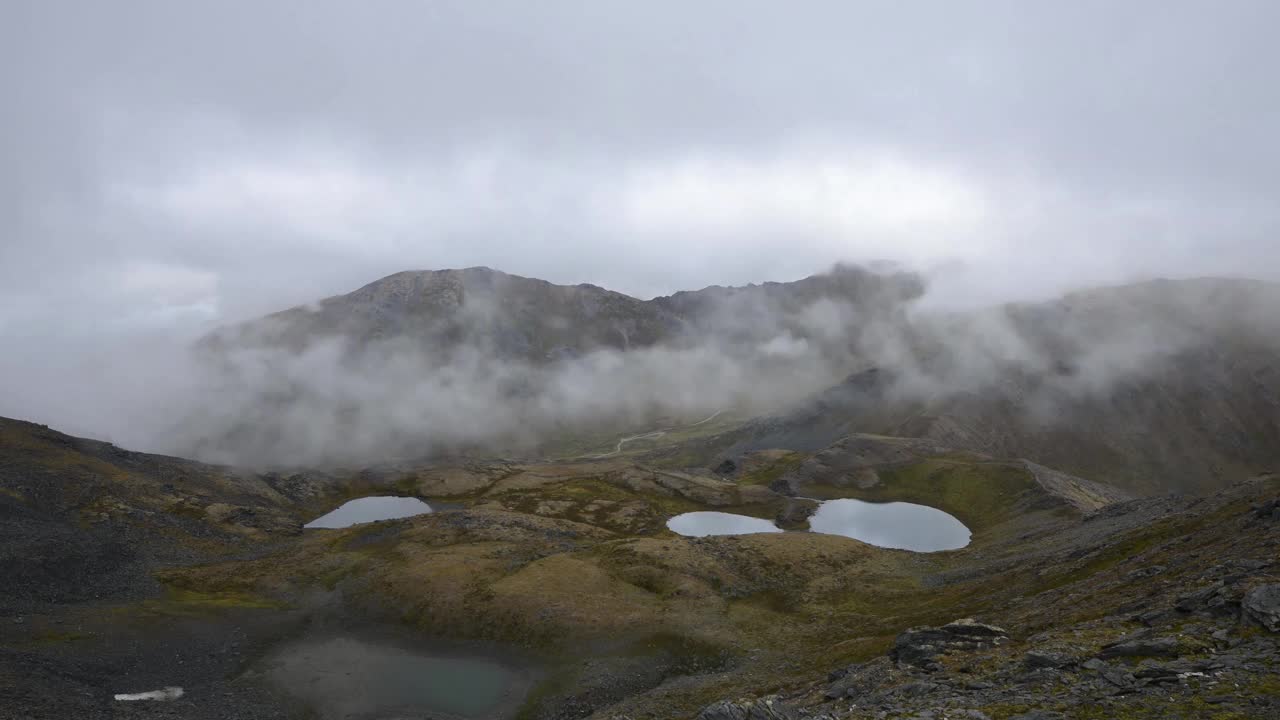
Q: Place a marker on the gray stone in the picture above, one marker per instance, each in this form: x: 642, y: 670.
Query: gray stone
x: 1036, y: 659
x: 1149, y: 617
x: 921, y: 646
x: 767, y: 708
x: 1153, y: 647
x: 1196, y: 600
x: 1145, y: 572
x: 1156, y: 673
x: 1262, y: 605
x: 1117, y: 677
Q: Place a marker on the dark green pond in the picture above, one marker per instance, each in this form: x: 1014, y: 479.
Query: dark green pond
x: 353, y: 678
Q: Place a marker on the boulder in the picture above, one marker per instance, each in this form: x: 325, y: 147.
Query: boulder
x: 766, y: 708
x: 1114, y: 675
x: 1142, y: 647
x: 1262, y: 605
x: 796, y: 512
x: 1036, y: 659
x: 1198, y: 599
x: 921, y: 646
x: 860, y: 680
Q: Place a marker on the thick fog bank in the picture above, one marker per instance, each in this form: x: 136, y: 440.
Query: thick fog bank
x: 330, y: 399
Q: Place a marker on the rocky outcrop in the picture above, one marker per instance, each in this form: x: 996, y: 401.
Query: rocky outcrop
x: 920, y: 647
x: 1036, y: 659
x: 1262, y: 605
x: 796, y: 512
x: 1225, y: 592
x: 1081, y: 494
x: 767, y: 708
x: 1141, y: 646
x: 1269, y: 510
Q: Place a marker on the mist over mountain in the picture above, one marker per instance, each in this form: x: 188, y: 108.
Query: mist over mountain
x: 428, y: 361
x: 1153, y: 385
x: 573, y: 360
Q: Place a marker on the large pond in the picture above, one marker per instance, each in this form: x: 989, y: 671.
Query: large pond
x: 901, y: 525
x: 370, y: 509
x: 701, y: 524
x: 347, y: 677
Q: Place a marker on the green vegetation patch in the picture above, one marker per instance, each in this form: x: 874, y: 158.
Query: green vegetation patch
x: 979, y: 494
x: 776, y: 468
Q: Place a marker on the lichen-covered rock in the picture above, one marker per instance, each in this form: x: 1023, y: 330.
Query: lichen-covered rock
x: 1262, y: 605
x: 1036, y: 659
x: 862, y: 679
x: 922, y: 646
x: 766, y: 708
x: 1142, y: 647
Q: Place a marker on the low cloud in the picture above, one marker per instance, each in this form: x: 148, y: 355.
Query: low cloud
x: 170, y: 169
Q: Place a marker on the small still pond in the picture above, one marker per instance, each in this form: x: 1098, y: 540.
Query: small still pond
x: 345, y: 677
x: 369, y: 509
x: 701, y: 524
x: 901, y: 525
x: 898, y: 525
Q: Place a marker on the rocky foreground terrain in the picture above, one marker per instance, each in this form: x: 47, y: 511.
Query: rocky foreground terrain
x: 1113, y: 454
x: 127, y: 572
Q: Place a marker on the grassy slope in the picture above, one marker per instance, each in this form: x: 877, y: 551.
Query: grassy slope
x: 569, y: 567
x: 572, y: 561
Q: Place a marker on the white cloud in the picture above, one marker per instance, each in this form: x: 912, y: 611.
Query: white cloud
x: 831, y: 193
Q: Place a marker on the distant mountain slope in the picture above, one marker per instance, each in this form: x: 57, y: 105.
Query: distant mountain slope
x: 426, y: 362
x: 514, y: 317
x: 507, y: 315
x: 1153, y: 387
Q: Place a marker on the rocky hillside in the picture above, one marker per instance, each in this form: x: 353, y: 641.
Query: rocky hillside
x: 1151, y: 388
x: 1055, y: 433
x: 1157, y: 386
x: 513, y: 317
x: 1148, y: 608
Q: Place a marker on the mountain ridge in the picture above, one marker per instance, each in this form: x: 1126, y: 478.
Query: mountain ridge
x: 1170, y: 379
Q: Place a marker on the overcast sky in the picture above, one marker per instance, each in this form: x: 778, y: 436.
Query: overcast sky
x: 170, y: 165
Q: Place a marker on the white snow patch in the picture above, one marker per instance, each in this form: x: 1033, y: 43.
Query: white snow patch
x: 169, y: 693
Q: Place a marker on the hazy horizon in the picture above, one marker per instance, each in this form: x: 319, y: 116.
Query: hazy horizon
x: 171, y: 169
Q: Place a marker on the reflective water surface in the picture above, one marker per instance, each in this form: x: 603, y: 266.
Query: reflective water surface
x: 347, y: 677
x: 369, y: 509
x: 905, y: 526
x: 701, y: 524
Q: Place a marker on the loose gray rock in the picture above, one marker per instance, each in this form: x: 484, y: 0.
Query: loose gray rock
x: 1036, y: 659
x: 921, y: 646
x: 1269, y: 510
x: 1152, y: 647
x: 860, y: 680
x: 1262, y: 605
x: 1197, y: 600
x: 767, y: 708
